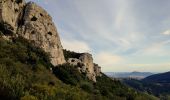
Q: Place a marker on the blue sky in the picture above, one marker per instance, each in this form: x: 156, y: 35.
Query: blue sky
x: 122, y: 35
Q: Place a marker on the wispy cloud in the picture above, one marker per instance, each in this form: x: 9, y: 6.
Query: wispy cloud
x: 107, y: 59
x: 77, y: 46
x: 115, y: 31
x: 167, y: 32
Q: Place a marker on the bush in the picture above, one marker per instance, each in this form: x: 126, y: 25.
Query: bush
x: 70, y: 54
x: 25, y: 74
x: 86, y: 86
x: 69, y: 74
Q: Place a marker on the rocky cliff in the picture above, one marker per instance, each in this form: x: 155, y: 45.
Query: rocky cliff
x: 86, y: 65
x: 18, y: 18
x: 33, y: 23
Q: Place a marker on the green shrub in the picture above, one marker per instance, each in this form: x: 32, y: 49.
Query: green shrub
x: 70, y: 54
x: 69, y: 74
x: 88, y: 87
x: 25, y: 74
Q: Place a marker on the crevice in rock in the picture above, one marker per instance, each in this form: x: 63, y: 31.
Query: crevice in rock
x: 50, y: 33
x: 6, y: 29
x: 16, y: 10
x: 41, y: 14
x: 18, y: 1
x: 72, y: 60
x: 20, y: 21
x: 33, y: 32
x: 34, y: 18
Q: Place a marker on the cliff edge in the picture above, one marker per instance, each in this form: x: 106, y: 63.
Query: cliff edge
x: 28, y: 20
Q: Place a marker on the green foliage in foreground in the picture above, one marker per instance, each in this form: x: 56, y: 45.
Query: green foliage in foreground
x: 104, y: 89
x: 25, y: 75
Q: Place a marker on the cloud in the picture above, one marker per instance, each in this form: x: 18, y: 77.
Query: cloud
x: 158, y: 48
x: 75, y: 45
x: 132, y: 29
x: 167, y: 32
x: 107, y: 59
x: 161, y: 67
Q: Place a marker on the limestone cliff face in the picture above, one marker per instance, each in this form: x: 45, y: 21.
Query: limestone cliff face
x: 87, y: 60
x: 86, y: 65
x: 38, y: 26
x: 33, y: 23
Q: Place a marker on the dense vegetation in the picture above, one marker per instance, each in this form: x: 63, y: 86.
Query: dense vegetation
x: 105, y: 87
x: 25, y: 74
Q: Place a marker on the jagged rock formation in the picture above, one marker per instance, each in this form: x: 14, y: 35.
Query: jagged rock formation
x: 33, y: 23
x: 85, y: 65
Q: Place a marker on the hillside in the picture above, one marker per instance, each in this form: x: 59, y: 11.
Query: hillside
x: 34, y: 66
x: 25, y: 74
x: 158, y: 84
x: 158, y: 78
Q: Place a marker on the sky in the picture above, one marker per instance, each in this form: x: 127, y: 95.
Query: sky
x: 122, y: 35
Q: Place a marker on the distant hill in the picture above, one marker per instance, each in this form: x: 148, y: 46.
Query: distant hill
x: 158, y: 78
x: 157, y: 84
x: 135, y: 74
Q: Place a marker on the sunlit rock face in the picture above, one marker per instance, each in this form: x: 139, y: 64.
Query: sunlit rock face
x: 85, y: 65
x: 33, y: 23
x: 38, y: 26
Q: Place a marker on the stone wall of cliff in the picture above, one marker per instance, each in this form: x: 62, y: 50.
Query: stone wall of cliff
x: 32, y: 22
x: 18, y: 18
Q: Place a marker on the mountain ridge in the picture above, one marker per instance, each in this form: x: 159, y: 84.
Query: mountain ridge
x: 34, y: 66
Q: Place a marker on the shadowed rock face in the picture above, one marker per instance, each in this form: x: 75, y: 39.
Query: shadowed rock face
x: 33, y: 23
x: 10, y: 14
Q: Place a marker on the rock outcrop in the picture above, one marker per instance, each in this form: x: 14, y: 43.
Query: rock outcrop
x: 38, y: 26
x: 97, y: 70
x: 33, y: 23
x: 85, y: 65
